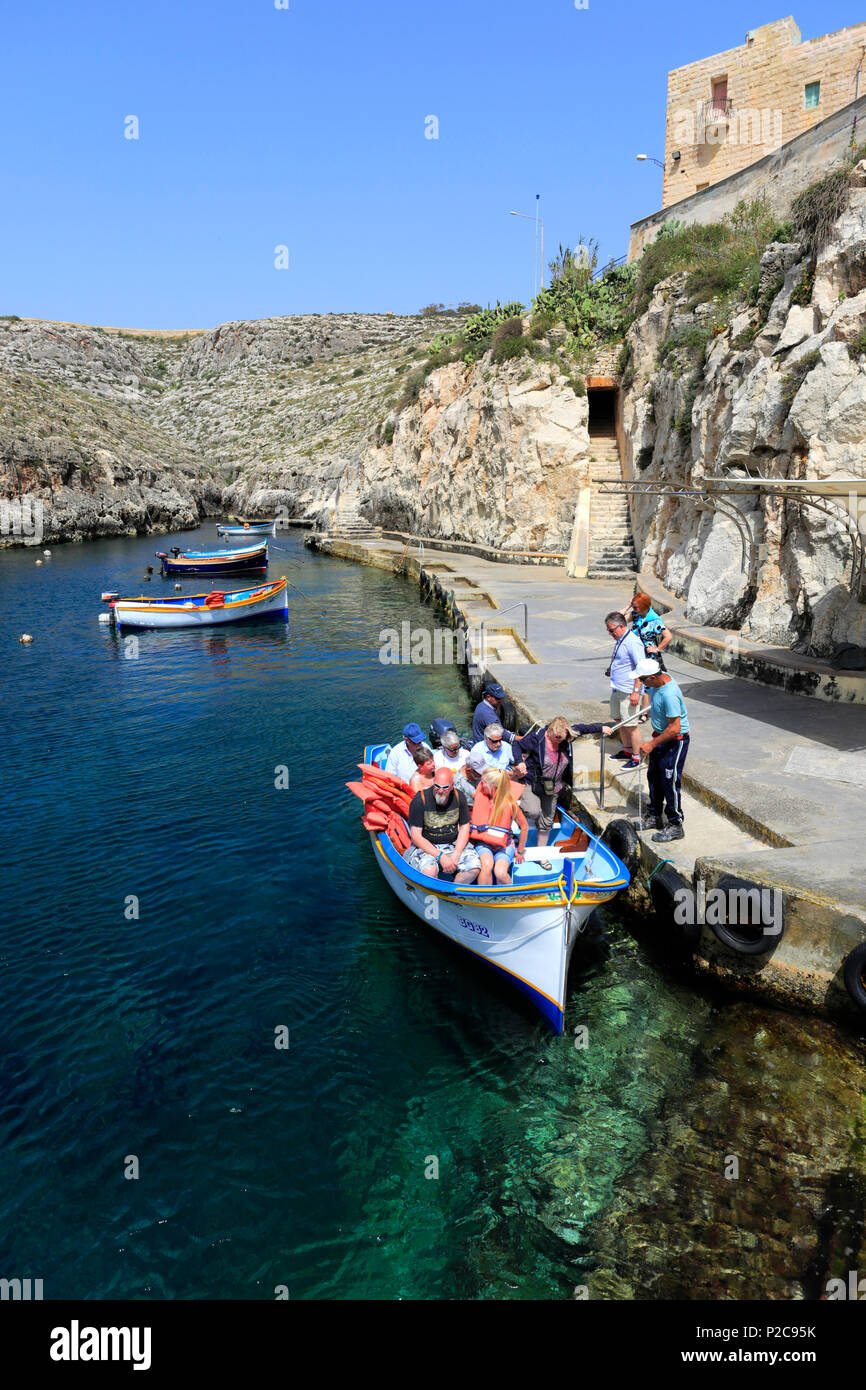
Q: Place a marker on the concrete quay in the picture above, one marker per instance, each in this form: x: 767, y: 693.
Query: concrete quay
x: 774, y: 786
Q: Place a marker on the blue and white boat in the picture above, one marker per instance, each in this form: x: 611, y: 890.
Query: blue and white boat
x: 269, y: 600
x: 247, y: 530
x: 247, y: 559
x: 525, y: 930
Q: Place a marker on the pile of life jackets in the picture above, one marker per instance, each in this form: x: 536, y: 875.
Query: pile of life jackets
x: 386, y: 801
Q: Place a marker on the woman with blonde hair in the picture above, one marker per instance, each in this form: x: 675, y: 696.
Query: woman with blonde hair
x: 494, y: 810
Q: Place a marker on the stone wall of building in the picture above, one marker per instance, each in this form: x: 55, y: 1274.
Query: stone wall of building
x: 780, y: 176
x: 766, y: 89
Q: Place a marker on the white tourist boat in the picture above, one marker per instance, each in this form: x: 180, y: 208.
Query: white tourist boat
x: 526, y: 930
x: 202, y: 610
x: 247, y: 530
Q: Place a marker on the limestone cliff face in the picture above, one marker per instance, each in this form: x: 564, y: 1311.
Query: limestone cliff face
x: 782, y: 399
x: 496, y: 456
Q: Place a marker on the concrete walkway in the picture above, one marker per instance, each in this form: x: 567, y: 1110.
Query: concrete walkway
x: 775, y: 782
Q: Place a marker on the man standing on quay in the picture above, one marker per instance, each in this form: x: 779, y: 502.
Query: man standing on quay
x: 667, y: 749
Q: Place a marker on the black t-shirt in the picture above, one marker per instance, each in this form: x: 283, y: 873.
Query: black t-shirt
x: 439, y: 824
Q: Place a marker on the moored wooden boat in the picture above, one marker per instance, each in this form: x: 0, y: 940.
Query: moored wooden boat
x: 247, y: 530
x: 244, y: 559
x: 203, y: 610
x: 525, y: 930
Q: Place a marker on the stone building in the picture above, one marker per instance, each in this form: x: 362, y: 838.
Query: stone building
x: 733, y: 108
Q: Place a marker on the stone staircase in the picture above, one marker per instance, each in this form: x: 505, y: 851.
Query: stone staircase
x: 349, y: 522
x: 611, y: 545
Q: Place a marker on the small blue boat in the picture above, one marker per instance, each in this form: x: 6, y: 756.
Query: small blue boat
x: 244, y: 561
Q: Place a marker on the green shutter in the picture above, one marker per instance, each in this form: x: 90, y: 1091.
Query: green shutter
x: 813, y: 94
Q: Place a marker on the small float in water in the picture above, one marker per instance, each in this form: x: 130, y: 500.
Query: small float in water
x: 249, y: 558
x: 525, y: 930
x: 244, y: 530
x: 202, y: 610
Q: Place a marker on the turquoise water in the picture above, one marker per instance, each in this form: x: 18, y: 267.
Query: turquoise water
x: 152, y: 777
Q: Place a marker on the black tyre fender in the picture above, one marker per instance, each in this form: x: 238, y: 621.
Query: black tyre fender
x: 854, y: 974
x: 621, y: 836
x: 664, y: 884
x: 753, y: 941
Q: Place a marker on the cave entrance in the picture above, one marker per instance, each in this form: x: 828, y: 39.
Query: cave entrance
x: 601, y: 396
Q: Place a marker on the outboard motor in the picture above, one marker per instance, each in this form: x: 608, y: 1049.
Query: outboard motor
x: 437, y: 729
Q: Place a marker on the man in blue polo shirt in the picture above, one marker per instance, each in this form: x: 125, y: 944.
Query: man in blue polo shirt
x: 666, y: 749
x: 487, y: 712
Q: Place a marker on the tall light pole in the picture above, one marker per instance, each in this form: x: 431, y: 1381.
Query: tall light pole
x: 539, y: 231
x: 652, y: 159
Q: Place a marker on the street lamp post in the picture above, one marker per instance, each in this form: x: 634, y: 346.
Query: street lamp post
x: 651, y: 158
x: 539, y: 230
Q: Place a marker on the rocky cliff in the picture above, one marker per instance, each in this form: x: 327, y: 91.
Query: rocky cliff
x: 777, y: 392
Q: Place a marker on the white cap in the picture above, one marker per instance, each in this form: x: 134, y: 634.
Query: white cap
x: 647, y: 667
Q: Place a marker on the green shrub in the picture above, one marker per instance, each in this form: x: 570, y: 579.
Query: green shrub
x: 857, y: 346
x: 511, y: 328
x: 387, y: 432
x: 481, y: 327
x: 685, y: 348
x: 509, y: 347
x: 359, y: 371
x: 684, y: 419
x: 803, y: 293
x: 793, y: 379
x: 412, y: 389
x: 542, y: 323
x: 814, y: 211
x: 747, y: 337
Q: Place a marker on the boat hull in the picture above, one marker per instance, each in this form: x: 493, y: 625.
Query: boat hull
x: 245, y: 533
x: 526, y: 932
x: 244, y: 561
x: 190, y: 611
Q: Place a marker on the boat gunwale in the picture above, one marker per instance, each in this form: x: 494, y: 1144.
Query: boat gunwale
x: 178, y: 603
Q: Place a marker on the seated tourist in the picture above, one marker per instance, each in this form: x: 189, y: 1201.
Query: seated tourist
x: 425, y: 769
x: 493, y: 811
x: 469, y: 775
x: 400, y: 760
x: 451, y: 754
x: 439, y: 826
x: 495, y: 751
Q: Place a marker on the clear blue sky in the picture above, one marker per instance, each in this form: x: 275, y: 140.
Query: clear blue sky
x: 305, y: 127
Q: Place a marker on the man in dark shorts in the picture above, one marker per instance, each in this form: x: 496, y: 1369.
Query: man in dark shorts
x: 439, y: 825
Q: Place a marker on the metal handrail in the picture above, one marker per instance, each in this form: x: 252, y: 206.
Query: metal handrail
x: 500, y: 612
x: 613, y: 728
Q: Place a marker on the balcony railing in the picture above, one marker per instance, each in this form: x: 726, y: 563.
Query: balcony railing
x: 717, y: 111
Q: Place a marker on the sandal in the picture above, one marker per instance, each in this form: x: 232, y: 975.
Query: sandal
x: 545, y: 864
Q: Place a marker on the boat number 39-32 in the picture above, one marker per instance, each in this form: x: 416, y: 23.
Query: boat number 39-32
x: 473, y: 926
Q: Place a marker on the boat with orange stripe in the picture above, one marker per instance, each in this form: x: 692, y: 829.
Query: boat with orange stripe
x: 525, y: 930
x: 202, y: 610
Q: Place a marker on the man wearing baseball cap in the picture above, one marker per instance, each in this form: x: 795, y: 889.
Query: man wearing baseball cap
x: 667, y: 749
x: 487, y: 712
x: 467, y: 778
x: 401, y: 759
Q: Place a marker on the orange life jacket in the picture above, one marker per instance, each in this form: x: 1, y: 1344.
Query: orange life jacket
x: 482, y: 831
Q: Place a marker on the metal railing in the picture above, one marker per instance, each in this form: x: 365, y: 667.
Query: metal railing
x: 715, y: 110
x: 613, y: 728
x: 501, y: 613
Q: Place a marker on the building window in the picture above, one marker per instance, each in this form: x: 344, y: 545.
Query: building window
x: 813, y: 95
x: 720, y: 95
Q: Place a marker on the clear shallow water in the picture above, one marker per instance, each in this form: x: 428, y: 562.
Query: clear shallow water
x: 260, y: 907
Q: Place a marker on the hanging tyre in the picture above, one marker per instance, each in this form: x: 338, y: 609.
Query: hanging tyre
x: 745, y: 938
x: 854, y: 974
x: 621, y: 836
x: 665, y: 885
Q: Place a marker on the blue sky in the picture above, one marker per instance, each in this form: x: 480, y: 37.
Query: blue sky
x: 305, y: 127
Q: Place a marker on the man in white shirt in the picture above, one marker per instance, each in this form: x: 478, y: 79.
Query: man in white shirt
x: 495, y: 751
x: 451, y: 754
x: 401, y: 759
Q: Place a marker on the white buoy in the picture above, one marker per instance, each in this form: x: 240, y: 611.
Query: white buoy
x: 177, y: 588
x: 47, y: 554
x: 105, y: 617
x: 25, y: 638
x: 39, y: 562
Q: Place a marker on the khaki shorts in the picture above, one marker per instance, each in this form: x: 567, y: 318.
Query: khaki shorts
x: 620, y: 708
